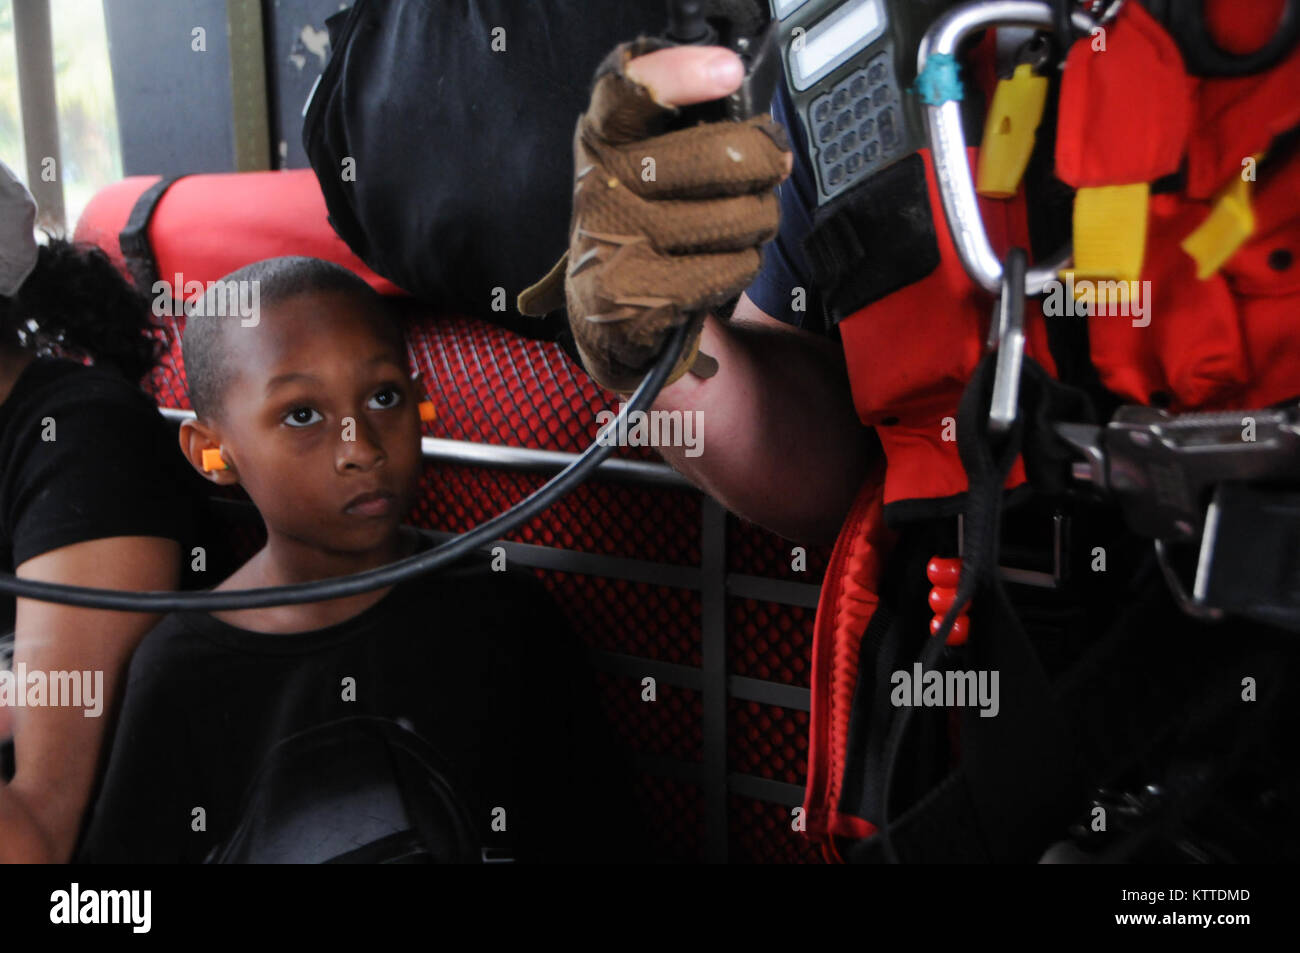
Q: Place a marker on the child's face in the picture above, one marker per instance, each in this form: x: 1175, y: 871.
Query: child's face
x: 321, y: 421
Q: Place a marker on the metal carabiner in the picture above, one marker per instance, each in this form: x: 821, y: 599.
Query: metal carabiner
x: 1109, y: 9
x: 1079, y: 18
x: 1107, y: 15
x: 948, y: 142
x: 1007, y: 337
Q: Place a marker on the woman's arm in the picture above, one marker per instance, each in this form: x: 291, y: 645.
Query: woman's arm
x: 6, y: 724
x: 21, y: 839
x: 57, y: 749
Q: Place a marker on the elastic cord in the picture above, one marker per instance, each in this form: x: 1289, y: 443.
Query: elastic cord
x: 939, y: 82
x: 442, y: 556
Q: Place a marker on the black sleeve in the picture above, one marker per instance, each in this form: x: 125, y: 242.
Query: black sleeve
x: 785, y: 266
x: 112, y: 469
x: 141, y: 814
x: 580, y: 794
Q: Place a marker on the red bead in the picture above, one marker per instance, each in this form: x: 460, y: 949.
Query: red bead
x: 943, y: 572
x: 960, y: 629
x: 941, y: 599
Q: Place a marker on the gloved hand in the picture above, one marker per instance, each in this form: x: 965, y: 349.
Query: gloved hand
x: 665, y: 224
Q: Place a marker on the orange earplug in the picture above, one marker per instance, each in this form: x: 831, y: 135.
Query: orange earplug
x: 212, y: 460
x: 427, y: 411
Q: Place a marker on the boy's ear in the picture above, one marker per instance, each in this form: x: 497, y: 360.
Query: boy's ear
x: 197, y: 437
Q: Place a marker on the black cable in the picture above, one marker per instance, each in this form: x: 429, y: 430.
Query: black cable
x: 446, y: 554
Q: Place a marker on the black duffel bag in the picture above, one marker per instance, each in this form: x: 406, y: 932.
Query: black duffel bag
x: 441, y: 132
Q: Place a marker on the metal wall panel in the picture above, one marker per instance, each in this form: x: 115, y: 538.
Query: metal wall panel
x: 173, y: 102
x: 297, y: 48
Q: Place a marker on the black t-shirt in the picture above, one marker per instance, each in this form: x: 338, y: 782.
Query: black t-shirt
x: 479, y: 664
x: 85, y: 455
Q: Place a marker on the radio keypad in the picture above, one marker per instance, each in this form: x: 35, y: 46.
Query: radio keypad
x: 856, y: 125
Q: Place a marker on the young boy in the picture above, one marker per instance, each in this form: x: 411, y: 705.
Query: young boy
x: 224, y: 746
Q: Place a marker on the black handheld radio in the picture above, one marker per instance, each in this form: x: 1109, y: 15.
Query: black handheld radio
x: 850, y: 66
x: 689, y: 25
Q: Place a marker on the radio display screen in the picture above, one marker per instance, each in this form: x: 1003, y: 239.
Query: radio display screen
x: 834, y: 40
x: 786, y: 7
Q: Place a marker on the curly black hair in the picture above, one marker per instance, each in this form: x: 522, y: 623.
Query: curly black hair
x: 76, y: 302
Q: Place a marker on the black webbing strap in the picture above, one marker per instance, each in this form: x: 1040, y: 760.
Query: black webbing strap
x: 873, y: 240
x: 941, y: 828
x: 134, y: 237
x: 1019, y: 766
x: 1018, y: 780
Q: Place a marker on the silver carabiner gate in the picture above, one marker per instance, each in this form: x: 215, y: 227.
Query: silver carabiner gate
x: 1007, y: 337
x: 948, y: 142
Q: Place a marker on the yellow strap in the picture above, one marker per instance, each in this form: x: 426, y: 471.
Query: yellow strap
x: 1224, y: 230
x: 1013, y: 120
x: 1110, y: 231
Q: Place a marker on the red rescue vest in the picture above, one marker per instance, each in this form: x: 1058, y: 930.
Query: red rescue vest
x: 1229, y: 340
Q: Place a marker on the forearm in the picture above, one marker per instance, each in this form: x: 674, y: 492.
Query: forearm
x: 51, y: 789
x: 781, y: 444
x: 58, y: 744
x: 22, y: 840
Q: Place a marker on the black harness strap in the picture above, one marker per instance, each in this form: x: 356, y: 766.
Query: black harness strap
x: 876, y: 238
x: 1019, y: 780
x: 941, y: 828
x: 134, y: 237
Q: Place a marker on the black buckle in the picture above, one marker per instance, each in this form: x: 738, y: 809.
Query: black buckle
x: 1248, y: 562
x: 1031, y: 554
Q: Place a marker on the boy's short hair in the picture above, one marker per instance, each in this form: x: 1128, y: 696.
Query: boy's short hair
x: 207, y: 372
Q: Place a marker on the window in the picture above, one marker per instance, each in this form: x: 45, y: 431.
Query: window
x: 88, y: 140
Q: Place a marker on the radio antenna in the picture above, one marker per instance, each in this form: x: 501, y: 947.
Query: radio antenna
x: 686, y: 23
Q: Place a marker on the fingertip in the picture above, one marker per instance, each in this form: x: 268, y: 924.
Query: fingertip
x: 725, y: 71
x: 685, y: 75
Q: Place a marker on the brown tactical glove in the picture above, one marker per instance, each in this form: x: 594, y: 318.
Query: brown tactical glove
x: 665, y: 224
